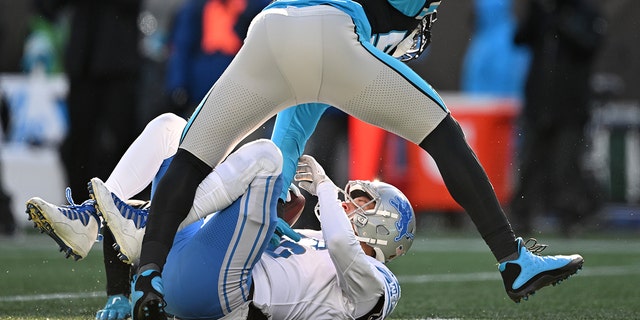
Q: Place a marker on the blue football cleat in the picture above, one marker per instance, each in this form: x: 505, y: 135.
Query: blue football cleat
x: 530, y: 271
x: 147, y: 297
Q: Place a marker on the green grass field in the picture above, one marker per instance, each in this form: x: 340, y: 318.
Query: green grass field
x: 444, y: 276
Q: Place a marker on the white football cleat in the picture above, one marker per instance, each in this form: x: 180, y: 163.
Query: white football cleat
x: 127, y: 223
x: 74, y: 227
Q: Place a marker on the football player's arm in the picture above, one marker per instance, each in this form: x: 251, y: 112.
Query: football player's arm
x: 292, y: 129
x: 356, y: 275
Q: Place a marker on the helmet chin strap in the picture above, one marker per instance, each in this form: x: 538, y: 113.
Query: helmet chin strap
x: 379, y: 255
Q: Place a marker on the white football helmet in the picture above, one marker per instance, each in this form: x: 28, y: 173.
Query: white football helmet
x: 390, y: 226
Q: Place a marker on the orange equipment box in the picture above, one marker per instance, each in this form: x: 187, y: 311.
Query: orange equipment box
x: 488, y: 124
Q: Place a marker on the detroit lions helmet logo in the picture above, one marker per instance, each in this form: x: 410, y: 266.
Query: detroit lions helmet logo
x: 404, y: 208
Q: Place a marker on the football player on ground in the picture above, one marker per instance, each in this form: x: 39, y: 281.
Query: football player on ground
x: 332, y: 272
x: 227, y: 266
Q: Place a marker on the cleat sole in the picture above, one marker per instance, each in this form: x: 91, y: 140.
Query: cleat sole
x: 40, y: 222
x: 546, y: 280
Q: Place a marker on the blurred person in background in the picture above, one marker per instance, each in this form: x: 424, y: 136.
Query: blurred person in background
x: 102, y: 63
x: 7, y: 220
x: 13, y: 34
x: 563, y: 36
x: 155, y: 24
x: 493, y: 64
x: 14, y: 29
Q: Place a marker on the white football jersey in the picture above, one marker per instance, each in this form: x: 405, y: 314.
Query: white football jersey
x: 299, y: 281
x: 310, y: 280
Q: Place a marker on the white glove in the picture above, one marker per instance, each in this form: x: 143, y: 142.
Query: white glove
x: 310, y: 174
x: 293, y: 188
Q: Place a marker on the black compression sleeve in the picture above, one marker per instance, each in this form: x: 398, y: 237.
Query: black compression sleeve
x: 171, y: 203
x: 469, y: 185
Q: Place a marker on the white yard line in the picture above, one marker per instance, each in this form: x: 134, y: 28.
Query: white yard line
x: 53, y: 296
x: 447, y: 277
x: 490, y: 276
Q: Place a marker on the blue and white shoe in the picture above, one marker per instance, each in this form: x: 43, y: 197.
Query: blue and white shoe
x: 147, y: 296
x: 531, y: 271
x: 127, y: 223
x: 74, y: 227
x: 118, y: 307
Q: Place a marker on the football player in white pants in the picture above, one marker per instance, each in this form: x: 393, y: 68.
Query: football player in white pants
x: 217, y: 268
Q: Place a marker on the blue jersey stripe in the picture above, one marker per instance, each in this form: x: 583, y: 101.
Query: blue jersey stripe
x: 235, y: 247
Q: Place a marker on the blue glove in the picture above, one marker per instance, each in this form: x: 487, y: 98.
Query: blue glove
x: 117, y: 308
x: 283, y: 229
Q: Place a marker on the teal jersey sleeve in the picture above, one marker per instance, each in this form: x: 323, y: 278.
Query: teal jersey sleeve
x: 291, y: 132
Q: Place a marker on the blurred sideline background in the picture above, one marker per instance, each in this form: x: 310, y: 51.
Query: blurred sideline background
x: 36, y: 123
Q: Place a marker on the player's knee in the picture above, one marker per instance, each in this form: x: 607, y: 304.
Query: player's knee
x: 447, y: 135
x: 267, y: 155
x: 166, y: 121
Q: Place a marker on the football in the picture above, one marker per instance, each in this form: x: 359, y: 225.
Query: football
x: 293, y: 208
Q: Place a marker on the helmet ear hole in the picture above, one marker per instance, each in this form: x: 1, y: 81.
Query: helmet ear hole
x: 382, y: 230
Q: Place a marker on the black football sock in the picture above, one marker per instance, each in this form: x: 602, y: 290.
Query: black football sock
x: 117, y: 272
x: 469, y: 185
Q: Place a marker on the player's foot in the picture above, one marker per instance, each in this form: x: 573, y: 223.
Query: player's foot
x: 530, y: 271
x: 118, y: 307
x: 147, y: 296
x: 127, y: 224
x: 74, y: 226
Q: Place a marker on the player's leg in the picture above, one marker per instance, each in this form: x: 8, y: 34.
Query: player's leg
x: 249, y: 92
x: 137, y: 168
x: 406, y: 105
x: 70, y: 226
x: 230, y: 179
x: 118, y: 284
x: 140, y: 163
x: 221, y: 255
x: 254, y: 166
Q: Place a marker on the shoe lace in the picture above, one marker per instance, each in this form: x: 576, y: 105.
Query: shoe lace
x: 73, y: 205
x: 83, y: 211
x: 534, y: 247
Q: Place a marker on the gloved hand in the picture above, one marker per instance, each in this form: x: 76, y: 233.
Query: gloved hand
x: 309, y: 174
x: 117, y: 308
x: 294, y: 189
x: 283, y: 229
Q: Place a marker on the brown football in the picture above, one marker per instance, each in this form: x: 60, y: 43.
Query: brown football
x: 293, y: 208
